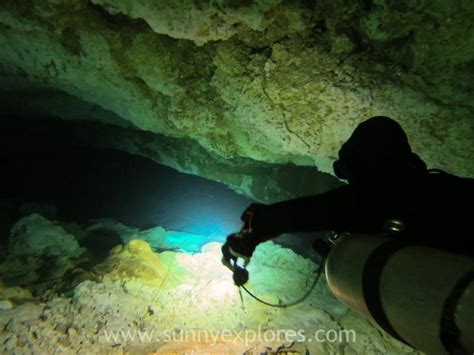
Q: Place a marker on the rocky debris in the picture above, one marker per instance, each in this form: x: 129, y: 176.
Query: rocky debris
x: 35, y: 234
x: 101, y: 229
x: 38, y: 250
x: 15, y: 318
x: 109, y: 231
x: 17, y: 293
x: 131, y: 308
x: 5, y: 305
x: 44, y: 328
x: 13, y: 296
x: 136, y: 262
x: 143, y: 301
x: 370, y: 338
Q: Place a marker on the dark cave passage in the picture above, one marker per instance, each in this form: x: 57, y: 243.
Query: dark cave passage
x: 41, y: 165
x: 47, y: 169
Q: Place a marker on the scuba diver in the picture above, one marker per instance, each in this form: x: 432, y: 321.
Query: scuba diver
x: 403, y: 255
x: 386, y: 181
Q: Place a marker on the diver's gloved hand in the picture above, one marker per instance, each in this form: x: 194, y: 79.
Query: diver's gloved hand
x: 241, y: 247
x: 234, y: 248
x: 253, y: 232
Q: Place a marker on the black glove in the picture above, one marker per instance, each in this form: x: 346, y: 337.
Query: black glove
x: 241, y: 247
x: 237, y: 247
x: 229, y: 259
x: 243, y: 244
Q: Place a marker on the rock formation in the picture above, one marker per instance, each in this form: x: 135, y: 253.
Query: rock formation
x: 137, y: 300
x: 39, y: 250
x: 271, y: 81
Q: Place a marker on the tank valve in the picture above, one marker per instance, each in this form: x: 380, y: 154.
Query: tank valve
x: 394, y: 226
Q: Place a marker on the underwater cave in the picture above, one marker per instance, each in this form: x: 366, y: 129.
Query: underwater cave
x: 135, y: 135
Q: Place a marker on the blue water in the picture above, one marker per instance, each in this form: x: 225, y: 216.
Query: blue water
x: 88, y: 184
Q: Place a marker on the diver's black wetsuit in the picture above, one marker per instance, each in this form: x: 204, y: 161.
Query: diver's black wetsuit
x: 386, y: 181
x: 437, y: 210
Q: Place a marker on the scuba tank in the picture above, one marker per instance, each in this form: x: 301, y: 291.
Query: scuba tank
x: 419, y: 295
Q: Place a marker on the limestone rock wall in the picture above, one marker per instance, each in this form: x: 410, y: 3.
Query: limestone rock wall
x: 267, y: 80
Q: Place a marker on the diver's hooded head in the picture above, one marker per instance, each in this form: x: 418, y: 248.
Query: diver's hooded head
x: 377, y: 151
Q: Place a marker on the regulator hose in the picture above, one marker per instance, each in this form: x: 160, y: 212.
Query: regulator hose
x: 299, y: 300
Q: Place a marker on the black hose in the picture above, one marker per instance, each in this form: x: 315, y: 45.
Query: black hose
x: 316, y: 279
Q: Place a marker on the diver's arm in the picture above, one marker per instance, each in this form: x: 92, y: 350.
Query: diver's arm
x: 338, y: 209
x: 333, y: 210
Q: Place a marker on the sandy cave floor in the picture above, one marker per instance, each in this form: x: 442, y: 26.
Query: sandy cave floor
x: 138, y: 300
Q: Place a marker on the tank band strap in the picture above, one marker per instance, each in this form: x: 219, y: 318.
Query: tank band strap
x: 449, y: 331
x: 371, y: 283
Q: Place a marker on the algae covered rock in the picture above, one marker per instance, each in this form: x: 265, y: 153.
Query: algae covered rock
x: 39, y: 249
x: 204, y: 21
x: 5, y: 305
x: 35, y: 235
x: 275, y: 82
x: 136, y: 263
x: 15, y: 293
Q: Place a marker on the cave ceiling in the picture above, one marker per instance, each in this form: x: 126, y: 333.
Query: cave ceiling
x: 271, y: 81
